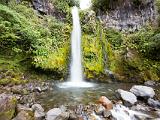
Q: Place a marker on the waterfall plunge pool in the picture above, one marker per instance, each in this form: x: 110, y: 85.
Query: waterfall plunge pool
x: 73, y: 97
x: 64, y: 95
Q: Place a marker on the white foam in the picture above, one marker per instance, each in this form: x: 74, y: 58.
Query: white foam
x: 76, y: 85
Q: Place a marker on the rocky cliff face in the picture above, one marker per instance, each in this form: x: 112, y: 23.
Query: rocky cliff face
x: 129, y: 15
x: 47, y: 8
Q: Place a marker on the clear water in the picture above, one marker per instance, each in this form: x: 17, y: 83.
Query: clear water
x: 74, y: 96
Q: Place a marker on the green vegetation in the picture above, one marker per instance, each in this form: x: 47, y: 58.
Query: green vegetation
x: 138, y: 57
x: 32, y: 44
x: 8, y: 109
x: 42, y: 42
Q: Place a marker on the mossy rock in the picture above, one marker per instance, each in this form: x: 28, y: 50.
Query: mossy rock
x: 7, y: 107
x: 25, y: 115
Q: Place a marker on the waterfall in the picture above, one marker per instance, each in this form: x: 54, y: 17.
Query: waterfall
x: 76, y: 72
x: 76, y: 64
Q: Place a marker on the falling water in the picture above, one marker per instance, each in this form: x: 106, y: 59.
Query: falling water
x: 76, y: 74
x: 76, y: 65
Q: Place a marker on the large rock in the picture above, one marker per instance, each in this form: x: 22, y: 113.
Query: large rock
x: 150, y: 83
x: 19, y: 90
x: 106, y: 102
x: 40, y: 5
x: 21, y: 107
x: 154, y: 103
x: 99, y: 109
x: 7, y: 106
x: 63, y: 116
x: 38, y: 111
x: 73, y: 116
x: 127, y: 97
x: 158, y: 113
x: 143, y: 91
x: 24, y: 115
x: 53, y: 113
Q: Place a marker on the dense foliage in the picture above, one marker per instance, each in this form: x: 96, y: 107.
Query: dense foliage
x: 31, y: 41
x: 43, y: 41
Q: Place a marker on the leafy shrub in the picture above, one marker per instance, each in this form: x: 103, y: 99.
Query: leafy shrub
x: 114, y: 38
x: 46, y: 40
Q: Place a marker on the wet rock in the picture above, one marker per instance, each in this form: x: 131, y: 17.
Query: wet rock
x: 143, y: 91
x: 28, y: 99
x: 23, y: 108
x: 141, y: 107
x: 150, y: 83
x: 154, y: 103
x: 63, y: 116
x: 128, y: 97
x: 17, y: 89
x: 106, y: 114
x: 79, y: 109
x: 45, y: 88
x: 93, y: 116
x: 99, y: 110
x: 106, y: 102
x: 7, y: 106
x: 53, y: 113
x: 73, y: 116
x: 38, y: 112
x: 158, y: 113
x: 18, y: 97
x: 24, y: 115
x: 38, y: 89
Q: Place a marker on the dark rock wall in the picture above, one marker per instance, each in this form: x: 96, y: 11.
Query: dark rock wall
x: 127, y: 15
x: 47, y: 8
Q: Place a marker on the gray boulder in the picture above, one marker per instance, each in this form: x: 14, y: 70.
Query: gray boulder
x: 150, y: 83
x: 21, y: 107
x: 38, y: 111
x: 154, y: 103
x: 128, y: 97
x: 143, y: 91
x: 53, y: 113
x: 99, y: 110
x: 63, y: 116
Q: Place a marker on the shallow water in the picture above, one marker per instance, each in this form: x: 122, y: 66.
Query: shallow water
x: 73, y: 96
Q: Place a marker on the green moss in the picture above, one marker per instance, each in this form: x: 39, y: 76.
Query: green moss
x: 9, y: 112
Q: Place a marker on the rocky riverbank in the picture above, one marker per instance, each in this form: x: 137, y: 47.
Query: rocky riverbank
x: 139, y: 103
